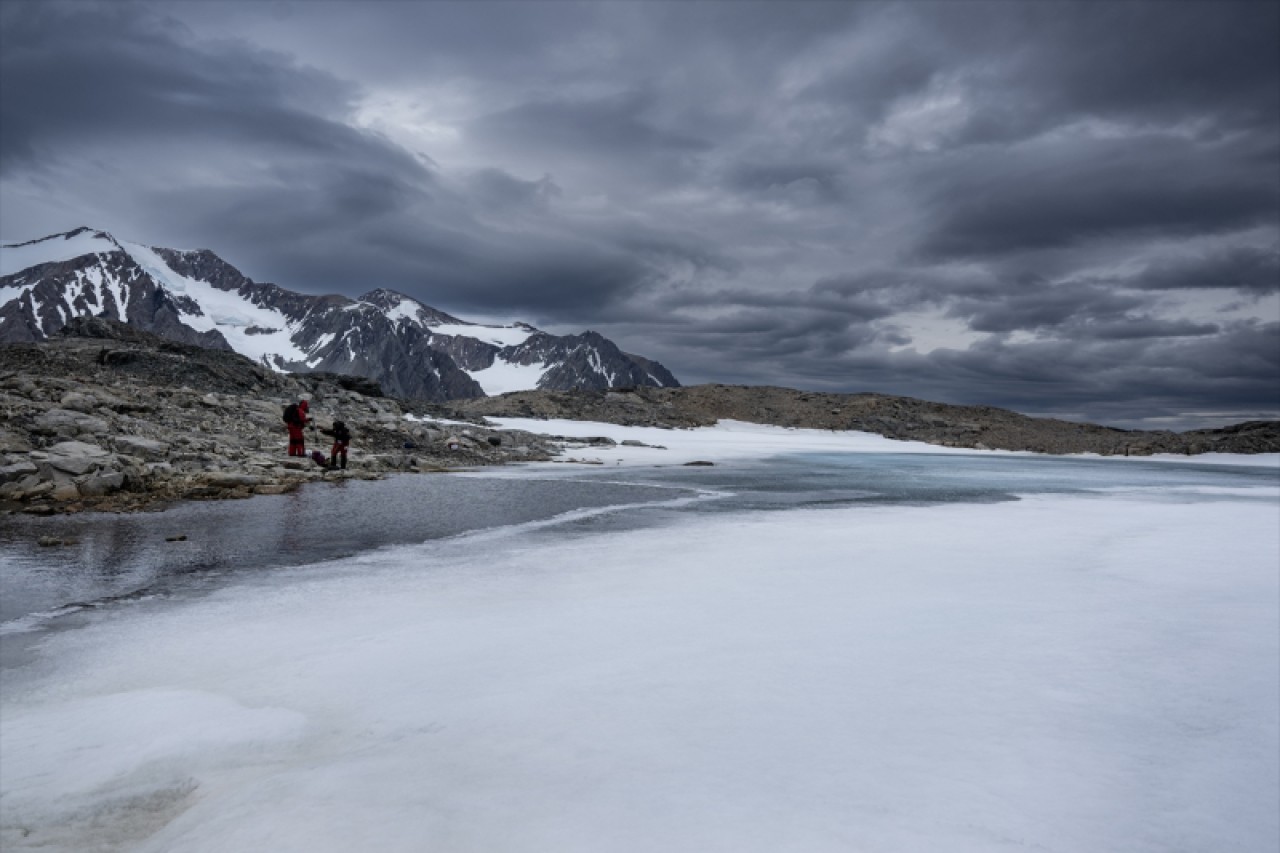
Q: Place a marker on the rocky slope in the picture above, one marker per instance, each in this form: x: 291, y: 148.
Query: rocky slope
x: 979, y: 427
x: 109, y: 417
x: 195, y: 297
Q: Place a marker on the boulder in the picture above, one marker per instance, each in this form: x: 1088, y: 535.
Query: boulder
x: 145, y: 448
x: 11, y: 442
x: 16, y: 471
x: 65, y: 492
x: 76, y: 457
x: 78, y: 402
x: 76, y: 448
x: 67, y: 422
x: 102, y: 484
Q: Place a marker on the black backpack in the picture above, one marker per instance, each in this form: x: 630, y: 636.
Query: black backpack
x: 291, y: 415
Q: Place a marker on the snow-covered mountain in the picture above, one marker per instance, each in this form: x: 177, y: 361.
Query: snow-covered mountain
x: 413, y: 350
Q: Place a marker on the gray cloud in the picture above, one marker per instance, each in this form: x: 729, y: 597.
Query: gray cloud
x: 996, y: 202
x: 1036, y: 306
x: 1068, y: 207
x: 1252, y: 269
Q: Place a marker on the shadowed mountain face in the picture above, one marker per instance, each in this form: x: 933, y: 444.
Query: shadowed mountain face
x: 195, y: 297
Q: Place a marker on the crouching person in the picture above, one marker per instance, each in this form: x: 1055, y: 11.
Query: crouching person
x: 341, y: 439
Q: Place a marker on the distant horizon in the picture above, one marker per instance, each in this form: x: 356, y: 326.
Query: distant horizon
x: 1191, y: 421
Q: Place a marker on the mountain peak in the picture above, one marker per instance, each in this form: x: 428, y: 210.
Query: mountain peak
x: 385, y: 298
x: 397, y: 307
x: 15, y: 257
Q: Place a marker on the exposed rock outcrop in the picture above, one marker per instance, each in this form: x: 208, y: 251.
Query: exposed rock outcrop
x: 110, y: 417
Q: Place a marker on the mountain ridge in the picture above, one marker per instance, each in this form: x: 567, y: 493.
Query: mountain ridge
x: 196, y: 297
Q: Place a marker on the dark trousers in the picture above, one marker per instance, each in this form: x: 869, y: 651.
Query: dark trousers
x: 339, y: 450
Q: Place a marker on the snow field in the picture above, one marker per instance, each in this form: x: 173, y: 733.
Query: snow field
x: 730, y: 439
x: 16, y: 258
x: 1093, y: 673
x: 500, y: 336
x: 503, y: 376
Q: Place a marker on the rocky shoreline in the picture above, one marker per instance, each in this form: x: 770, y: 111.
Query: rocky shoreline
x: 109, y: 418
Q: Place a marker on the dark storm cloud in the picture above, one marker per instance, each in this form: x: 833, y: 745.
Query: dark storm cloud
x: 821, y: 182
x: 1246, y: 268
x: 914, y: 288
x: 1060, y: 195
x: 313, y: 202
x: 1148, y: 60
x: 615, y: 124
x: 119, y: 75
x: 1031, y: 67
x: 1036, y: 306
x: 1067, y: 206
x: 496, y: 190
x: 1130, y: 328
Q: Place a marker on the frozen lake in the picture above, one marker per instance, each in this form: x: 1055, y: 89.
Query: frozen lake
x: 822, y: 651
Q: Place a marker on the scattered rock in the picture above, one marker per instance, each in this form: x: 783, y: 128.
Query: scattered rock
x: 699, y: 463
x: 146, y: 448
x: 102, y: 484
x: 66, y: 422
x: 275, y: 488
x: 65, y: 492
x: 16, y: 471
x: 78, y: 402
x: 181, y: 537
x: 48, y: 541
x: 232, y: 481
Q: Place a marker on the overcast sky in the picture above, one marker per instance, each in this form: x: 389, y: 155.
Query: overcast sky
x: 1061, y: 208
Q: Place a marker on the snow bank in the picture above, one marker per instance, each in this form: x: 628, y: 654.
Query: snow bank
x: 730, y: 439
x: 1064, y: 673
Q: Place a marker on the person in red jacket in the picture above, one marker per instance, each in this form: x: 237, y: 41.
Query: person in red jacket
x: 296, y: 420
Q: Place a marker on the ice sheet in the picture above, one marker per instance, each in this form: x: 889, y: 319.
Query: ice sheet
x: 1063, y: 673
